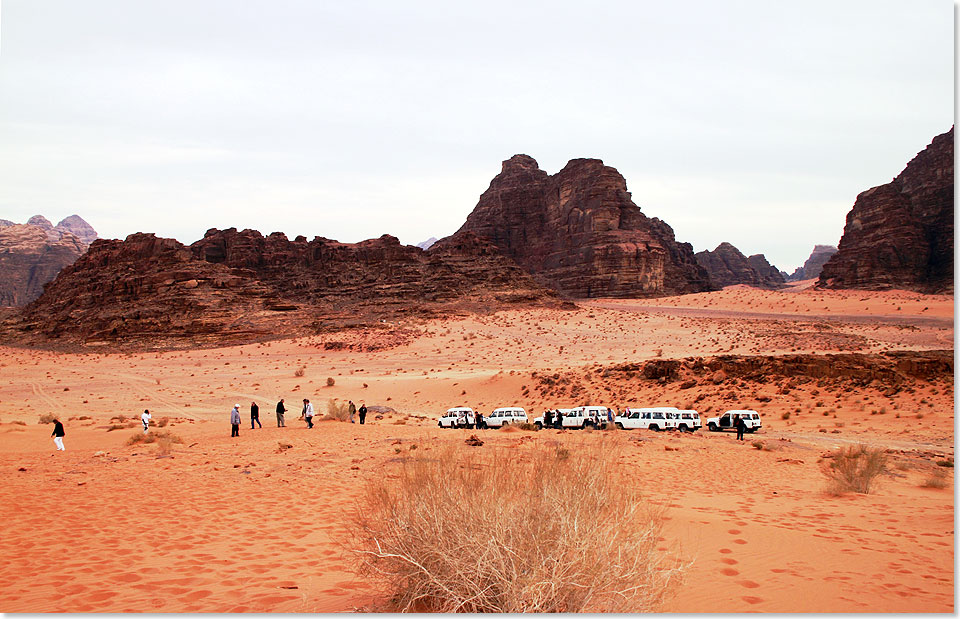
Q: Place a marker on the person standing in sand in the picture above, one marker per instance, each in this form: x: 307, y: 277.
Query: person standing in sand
x: 352, y: 408
x: 362, y: 412
x: 235, y: 420
x: 281, y: 409
x: 255, y: 415
x: 58, y: 435
x: 145, y: 419
x: 741, y: 425
x: 308, y: 413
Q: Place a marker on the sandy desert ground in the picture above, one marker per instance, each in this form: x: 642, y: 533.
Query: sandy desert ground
x: 221, y: 524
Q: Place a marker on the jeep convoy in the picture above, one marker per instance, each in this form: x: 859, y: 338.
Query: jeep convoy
x: 657, y: 418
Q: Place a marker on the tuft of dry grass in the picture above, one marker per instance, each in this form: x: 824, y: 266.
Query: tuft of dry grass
x: 938, y: 479
x: 300, y: 371
x: 855, y: 469
x: 508, y: 532
x: 46, y: 418
x: 139, y: 438
x: 509, y: 427
x: 331, y: 382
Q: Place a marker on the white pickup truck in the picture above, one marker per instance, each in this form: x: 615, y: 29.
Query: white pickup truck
x: 726, y: 421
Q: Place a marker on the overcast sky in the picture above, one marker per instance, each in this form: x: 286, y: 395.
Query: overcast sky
x: 753, y: 122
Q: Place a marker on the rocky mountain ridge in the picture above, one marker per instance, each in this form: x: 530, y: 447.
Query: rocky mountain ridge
x: 234, y: 286
x: 814, y: 263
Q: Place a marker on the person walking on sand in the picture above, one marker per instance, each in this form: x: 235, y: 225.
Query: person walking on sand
x: 362, y: 412
x: 281, y: 409
x: 255, y: 415
x: 352, y: 408
x: 58, y: 434
x: 559, y: 419
x: 308, y: 413
x: 548, y: 418
x: 741, y: 426
x: 235, y: 420
x: 481, y: 424
x: 145, y: 419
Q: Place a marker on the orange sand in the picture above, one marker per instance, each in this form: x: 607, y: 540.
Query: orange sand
x: 241, y: 525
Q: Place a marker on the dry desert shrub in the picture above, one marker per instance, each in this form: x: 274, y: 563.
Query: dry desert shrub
x: 46, y: 418
x: 855, y: 469
x: 331, y: 382
x: 938, y: 479
x: 154, y: 437
x: 338, y: 410
x: 508, y: 532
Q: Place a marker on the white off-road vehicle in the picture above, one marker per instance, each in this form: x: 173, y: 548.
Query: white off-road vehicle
x: 689, y: 421
x: 457, y: 417
x: 504, y: 416
x: 726, y: 421
x: 658, y: 418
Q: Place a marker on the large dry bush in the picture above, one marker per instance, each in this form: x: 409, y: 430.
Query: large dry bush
x: 338, y: 410
x: 536, y: 530
x: 163, y: 436
x: 855, y: 469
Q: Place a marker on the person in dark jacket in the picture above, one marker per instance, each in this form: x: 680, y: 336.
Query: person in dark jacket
x: 741, y: 426
x: 235, y: 420
x: 254, y: 415
x: 281, y: 409
x: 58, y: 434
x: 362, y: 412
x: 547, y: 418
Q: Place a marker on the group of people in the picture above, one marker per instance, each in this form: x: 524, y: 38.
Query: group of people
x: 306, y: 415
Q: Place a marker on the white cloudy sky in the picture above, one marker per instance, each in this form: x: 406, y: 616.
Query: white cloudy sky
x: 753, y: 122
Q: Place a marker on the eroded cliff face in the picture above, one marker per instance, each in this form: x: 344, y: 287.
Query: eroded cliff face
x: 727, y: 266
x: 32, y: 254
x: 235, y: 286
x: 29, y: 258
x: 900, y: 235
x: 580, y: 233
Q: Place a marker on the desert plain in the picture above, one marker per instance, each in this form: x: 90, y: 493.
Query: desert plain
x: 258, y: 523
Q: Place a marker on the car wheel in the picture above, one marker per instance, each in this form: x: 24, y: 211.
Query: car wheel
x: 619, y: 425
x: 539, y: 425
x: 713, y: 427
x: 682, y: 428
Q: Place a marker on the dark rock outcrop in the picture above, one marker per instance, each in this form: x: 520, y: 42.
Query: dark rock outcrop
x: 235, y: 286
x: 727, y: 266
x: 814, y: 264
x: 900, y: 235
x: 580, y: 233
x: 30, y: 256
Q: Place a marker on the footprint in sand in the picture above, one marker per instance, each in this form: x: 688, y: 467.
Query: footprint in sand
x: 734, y: 531
x: 729, y: 561
x: 739, y: 541
x: 196, y: 595
x: 725, y: 551
x: 749, y: 584
x: 729, y: 571
x: 750, y: 599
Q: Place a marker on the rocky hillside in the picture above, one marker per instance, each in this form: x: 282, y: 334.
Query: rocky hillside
x: 727, y: 266
x: 235, y: 286
x: 900, y: 235
x: 580, y: 233
x: 814, y: 264
x: 32, y: 254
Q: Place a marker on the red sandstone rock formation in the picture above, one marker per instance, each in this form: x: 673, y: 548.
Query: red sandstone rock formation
x: 580, y: 233
x: 235, y: 286
x: 900, y: 235
x: 814, y: 264
x: 727, y: 266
